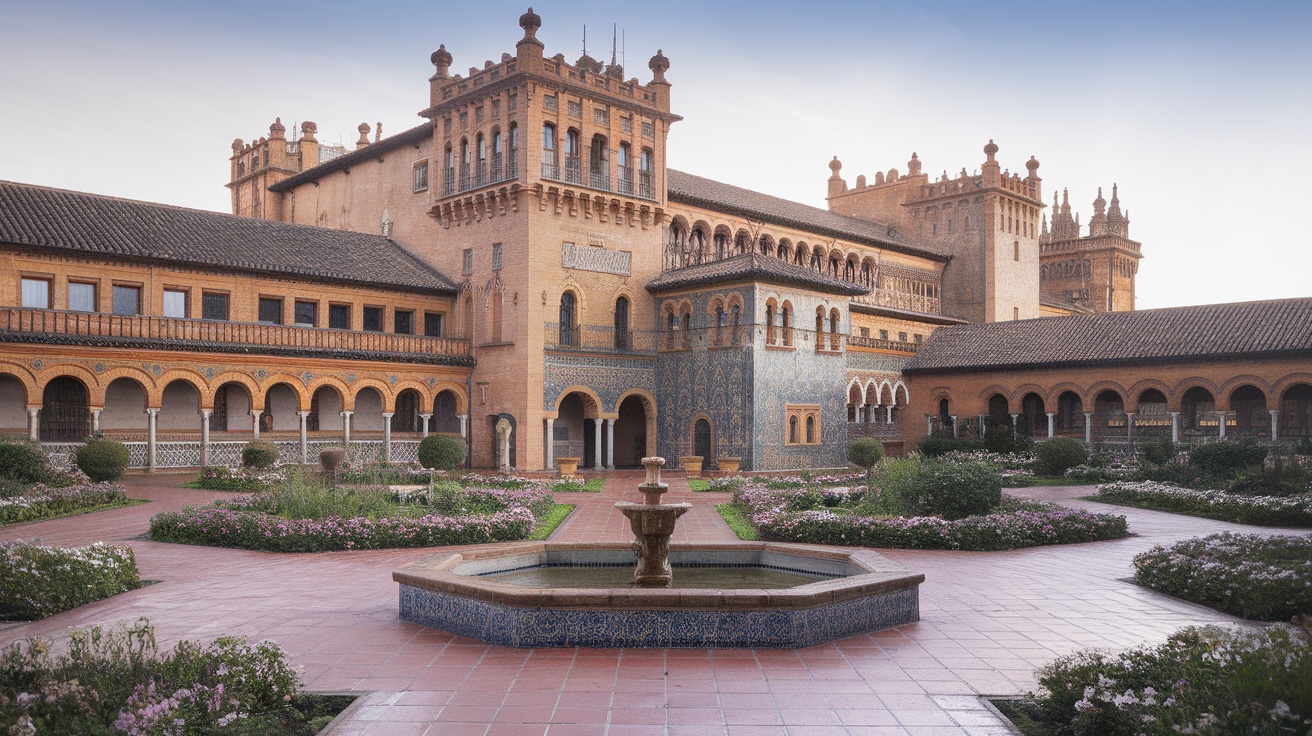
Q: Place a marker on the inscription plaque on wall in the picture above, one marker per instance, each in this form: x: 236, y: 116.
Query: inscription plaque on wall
x: 587, y: 258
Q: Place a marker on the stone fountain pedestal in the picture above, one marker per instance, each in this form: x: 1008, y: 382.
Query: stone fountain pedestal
x: 653, y: 524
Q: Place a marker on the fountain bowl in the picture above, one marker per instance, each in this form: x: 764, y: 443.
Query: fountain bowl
x: 866, y: 592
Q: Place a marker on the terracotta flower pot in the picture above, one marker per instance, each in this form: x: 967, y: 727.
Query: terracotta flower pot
x: 568, y: 466
x: 331, y: 458
x: 730, y: 465
x: 692, y: 465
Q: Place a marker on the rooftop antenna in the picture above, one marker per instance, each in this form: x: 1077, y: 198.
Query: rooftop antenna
x: 624, y: 59
x: 613, y: 30
x: 585, y: 39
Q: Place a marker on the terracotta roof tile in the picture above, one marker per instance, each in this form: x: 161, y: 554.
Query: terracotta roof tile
x: 1209, y: 331
x: 752, y: 267
x: 40, y: 217
x: 699, y: 191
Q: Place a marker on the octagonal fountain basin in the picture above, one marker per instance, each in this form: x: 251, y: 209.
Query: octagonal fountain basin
x: 735, y: 594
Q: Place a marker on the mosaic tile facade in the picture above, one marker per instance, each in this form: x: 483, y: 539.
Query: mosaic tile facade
x: 543, y: 627
x: 608, y: 377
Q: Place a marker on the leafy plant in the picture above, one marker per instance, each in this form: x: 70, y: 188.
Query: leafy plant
x: 441, y: 451
x: 1295, y: 511
x: 1247, y: 575
x: 23, y: 462
x: 1158, y: 451
x: 865, y: 452
x: 259, y: 454
x: 950, y: 490
x: 103, y: 460
x: 41, y: 580
x: 1057, y: 455
x: 1227, y: 459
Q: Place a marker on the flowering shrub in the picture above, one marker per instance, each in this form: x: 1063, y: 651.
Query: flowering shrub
x: 114, y: 680
x: 1293, y: 511
x: 40, y: 580
x: 219, y: 478
x: 45, y: 502
x: 292, y: 518
x: 1201, y: 681
x: 1012, y: 525
x: 1266, y: 578
x: 1004, y: 460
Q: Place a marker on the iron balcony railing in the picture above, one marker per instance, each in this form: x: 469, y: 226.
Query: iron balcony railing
x: 49, y: 326
x: 481, y: 175
x: 572, y: 173
x: 598, y: 339
x: 573, y: 170
x: 899, y: 300
x: 900, y: 346
x: 771, y: 336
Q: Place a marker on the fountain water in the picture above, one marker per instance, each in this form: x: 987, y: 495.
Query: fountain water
x: 653, y: 525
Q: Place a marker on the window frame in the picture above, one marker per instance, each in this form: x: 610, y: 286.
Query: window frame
x: 409, y: 315
x: 95, y: 294
x: 259, y: 309
x: 113, y: 300
x: 227, y: 305
x: 366, y: 310
x: 47, y: 281
x: 314, y: 312
x: 338, y: 306
x: 186, y: 301
x: 441, y: 324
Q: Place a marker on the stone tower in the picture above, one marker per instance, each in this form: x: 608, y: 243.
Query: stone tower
x: 262, y: 163
x: 988, y: 221
x: 1094, y: 272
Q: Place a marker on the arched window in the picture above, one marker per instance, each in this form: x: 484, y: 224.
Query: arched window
x: 569, y: 334
x: 646, y: 188
x: 671, y: 329
x: 702, y: 444
x: 449, y: 170
x: 721, y: 245
x: 685, y: 320
x: 467, y: 316
x: 480, y: 169
x: 720, y: 319
x: 550, y: 170
x: 498, y: 157
x: 625, y: 175
x: 770, y: 331
x: 512, y: 164
x: 494, y: 315
x: 810, y: 430
x: 573, y: 157
x: 464, y: 164
x: 623, y: 336
x: 792, y: 430
x: 737, y: 320
x: 819, y: 328
x: 833, y: 329
x: 599, y: 163
x: 786, y: 323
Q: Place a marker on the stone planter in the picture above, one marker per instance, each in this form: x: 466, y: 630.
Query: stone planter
x: 730, y: 465
x: 330, y: 459
x: 568, y: 466
x: 692, y: 465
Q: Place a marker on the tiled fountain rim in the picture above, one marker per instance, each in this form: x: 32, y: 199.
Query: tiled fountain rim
x: 871, y: 575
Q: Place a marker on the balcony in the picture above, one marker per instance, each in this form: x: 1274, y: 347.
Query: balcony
x: 599, y: 339
x: 897, y: 346
x: 772, y: 337
x: 572, y: 173
x: 899, y: 300
x: 52, y: 327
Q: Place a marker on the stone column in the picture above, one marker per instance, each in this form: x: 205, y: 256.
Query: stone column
x: 955, y: 424
x: 596, y: 453
x: 426, y: 418
x: 889, y: 417
x: 255, y: 422
x: 551, y: 444
x: 151, y: 416
x: 33, y: 423
x: 205, y: 436
x: 1220, y: 415
x: 860, y: 413
x: 464, y: 424
x: 1052, y: 424
x: 1014, y: 417
x: 1175, y: 426
x: 1129, y: 425
x: 95, y: 419
x: 929, y: 425
x: 610, y: 444
x: 1275, y: 425
x: 1088, y: 428
x: 387, y: 437
x: 305, y: 440
x: 346, y: 429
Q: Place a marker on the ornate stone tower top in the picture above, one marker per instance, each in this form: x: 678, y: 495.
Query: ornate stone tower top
x: 659, y: 65
x: 530, y: 22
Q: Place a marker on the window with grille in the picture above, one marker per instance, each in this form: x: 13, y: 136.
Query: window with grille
x: 306, y: 313
x: 434, y: 323
x: 373, y: 319
x: 213, y: 306
x: 496, y: 256
x: 271, y: 310
x: 403, y: 322
x: 339, y: 316
x: 467, y: 265
x: 421, y: 176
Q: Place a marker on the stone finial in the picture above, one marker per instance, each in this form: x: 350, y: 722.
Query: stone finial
x: 378, y: 132
x: 1032, y: 165
x: 659, y: 65
x: 364, y: 135
x: 530, y: 22
x: 1099, y: 204
x: 913, y: 166
x: 991, y: 149
x: 237, y: 145
x: 277, y: 131
x: 308, y: 129
x: 442, y: 60
x: 835, y: 166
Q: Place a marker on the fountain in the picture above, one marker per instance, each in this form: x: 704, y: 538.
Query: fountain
x: 731, y: 594
x: 653, y: 525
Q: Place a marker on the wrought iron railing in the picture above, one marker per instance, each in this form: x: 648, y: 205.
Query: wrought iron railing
x: 599, y: 339
x: 572, y: 173
x: 49, y: 326
x: 771, y: 336
x: 900, y: 346
x: 899, y: 300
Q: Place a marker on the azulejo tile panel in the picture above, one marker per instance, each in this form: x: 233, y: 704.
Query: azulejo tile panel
x: 546, y: 627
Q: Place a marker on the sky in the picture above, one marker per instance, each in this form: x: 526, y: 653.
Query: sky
x: 1198, y: 110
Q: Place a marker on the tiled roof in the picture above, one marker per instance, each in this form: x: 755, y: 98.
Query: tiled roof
x: 702, y: 192
x: 39, y: 217
x: 1206, y: 332
x: 908, y: 314
x: 752, y: 267
x: 414, y: 135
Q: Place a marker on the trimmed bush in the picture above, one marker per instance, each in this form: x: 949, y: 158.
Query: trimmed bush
x: 41, y: 581
x: 259, y: 454
x: 1058, y: 455
x: 1000, y: 440
x: 1158, y: 452
x: 1227, y: 459
x: 1257, y: 577
x: 441, y: 452
x: 937, y: 445
x: 950, y: 490
x: 865, y: 452
x: 103, y: 460
x: 24, y: 462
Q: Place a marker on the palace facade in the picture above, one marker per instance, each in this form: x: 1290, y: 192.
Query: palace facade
x: 526, y: 255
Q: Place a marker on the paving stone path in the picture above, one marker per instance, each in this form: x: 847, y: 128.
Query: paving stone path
x: 988, y: 619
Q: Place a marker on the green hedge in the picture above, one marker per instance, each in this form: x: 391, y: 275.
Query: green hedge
x: 103, y: 460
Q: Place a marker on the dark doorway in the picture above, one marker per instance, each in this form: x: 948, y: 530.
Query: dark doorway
x: 65, y: 416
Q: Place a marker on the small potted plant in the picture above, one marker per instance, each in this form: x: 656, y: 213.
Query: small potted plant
x: 568, y: 466
x: 692, y: 465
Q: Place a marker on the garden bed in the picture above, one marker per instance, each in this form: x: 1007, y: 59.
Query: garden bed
x: 1291, y: 511
x: 41, y: 502
x: 1256, y: 577
x: 843, y: 511
x: 40, y: 580
x: 115, y: 680
x: 1201, y: 681
x: 303, y: 515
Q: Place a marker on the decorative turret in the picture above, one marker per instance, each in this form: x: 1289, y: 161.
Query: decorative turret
x: 1098, y: 223
x: 363, y: 128
x: 991, y: 168
x: 1117, y: 224
x: 837, y: 185
x: 658, y: 64
x: 277, y: 131
x: 530, y: 22
x: 913, y: 166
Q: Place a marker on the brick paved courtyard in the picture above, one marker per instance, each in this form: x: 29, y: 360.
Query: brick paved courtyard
x: 987, y: 620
